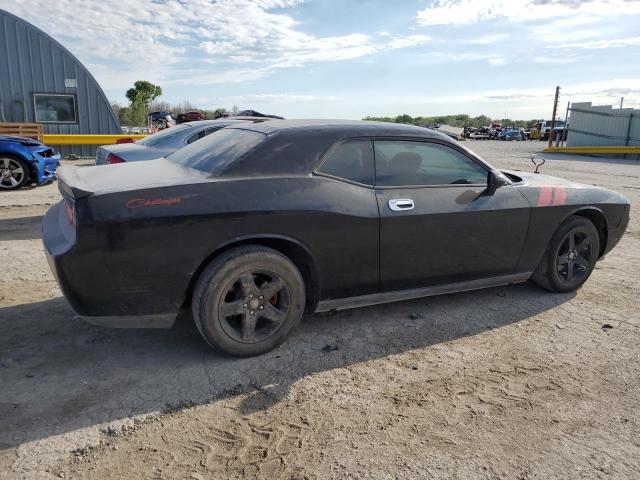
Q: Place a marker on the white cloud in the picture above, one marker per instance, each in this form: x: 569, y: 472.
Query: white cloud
x: 405, y: 42
x: 273, y: 98
x: 269, y: 102
x: 608, y: 91
x: 599, y: 44
x: 491, y: 58
x: 158, y: 39
x: 536, y: 102
x: 459, y: 12
x: 489, y: 39
x: 562, y: 60
x: 496, y: 61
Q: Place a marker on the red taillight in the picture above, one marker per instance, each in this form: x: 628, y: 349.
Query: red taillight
x: 71, y: 212
x: 113, y: 158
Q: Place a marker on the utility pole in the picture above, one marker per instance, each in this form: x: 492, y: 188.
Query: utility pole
x: 621, y: 100
x: 553, y: 118
x: 565, y: 132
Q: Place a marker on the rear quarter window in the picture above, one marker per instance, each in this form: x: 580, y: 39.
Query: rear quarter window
x: 163, y: 136
x: 216, y: 152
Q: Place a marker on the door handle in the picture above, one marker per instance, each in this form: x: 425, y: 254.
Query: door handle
x: 401, y: 204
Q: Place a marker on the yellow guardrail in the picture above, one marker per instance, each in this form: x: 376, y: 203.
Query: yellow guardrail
x: 59, y: 139
x: 593, y: 150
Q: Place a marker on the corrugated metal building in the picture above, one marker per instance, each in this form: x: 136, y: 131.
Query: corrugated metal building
x: 41, y: 81
x: 603, y: 125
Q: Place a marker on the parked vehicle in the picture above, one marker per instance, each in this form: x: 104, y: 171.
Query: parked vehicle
x: 545, y: 129
x: 25, y: 160
x: 257, y: 223
x: 189, y: 117
x: 510, y: 135
x: 253, y: 113
x: 164, y: 142
x: 482, y: 133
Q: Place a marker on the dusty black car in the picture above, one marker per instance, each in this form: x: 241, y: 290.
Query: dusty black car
x: 257, y: 223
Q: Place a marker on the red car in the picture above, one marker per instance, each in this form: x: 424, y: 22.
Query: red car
x: 189, y: 117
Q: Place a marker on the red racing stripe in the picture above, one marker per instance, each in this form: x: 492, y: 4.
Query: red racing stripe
x: 544, y: 197
x: 559, y: 196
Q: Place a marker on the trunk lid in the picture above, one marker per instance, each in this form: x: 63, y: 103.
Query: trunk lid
x: 129, y: 152
x: 79, y: 182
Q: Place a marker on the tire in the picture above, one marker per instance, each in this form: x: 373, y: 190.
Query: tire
x: 14, y: 172
x: 570, y: 256
x: 234, y: 304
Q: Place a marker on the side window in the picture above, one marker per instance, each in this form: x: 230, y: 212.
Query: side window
x: 202, y: 133
x: 423, y: 163
x: 351, y: 160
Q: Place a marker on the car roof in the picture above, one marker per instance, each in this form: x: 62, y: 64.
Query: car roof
x: 296, y: 146
x: 346, y: 127
x: 198, y: 123
x: 247, y: 118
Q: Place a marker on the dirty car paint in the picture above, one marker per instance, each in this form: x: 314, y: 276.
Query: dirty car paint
x: 143, y: 235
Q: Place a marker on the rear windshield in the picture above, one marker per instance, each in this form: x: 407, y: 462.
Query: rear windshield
x: 162, y: 135
x: 215, y: 152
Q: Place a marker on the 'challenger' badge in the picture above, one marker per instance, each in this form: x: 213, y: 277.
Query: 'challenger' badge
x: 152, y: 202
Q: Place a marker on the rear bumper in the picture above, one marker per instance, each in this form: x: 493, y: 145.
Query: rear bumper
x: 93, y: 291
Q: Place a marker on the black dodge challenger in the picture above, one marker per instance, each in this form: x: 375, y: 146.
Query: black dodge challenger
x: 256, y: 223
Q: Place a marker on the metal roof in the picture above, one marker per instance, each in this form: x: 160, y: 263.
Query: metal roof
x: 33, y: 62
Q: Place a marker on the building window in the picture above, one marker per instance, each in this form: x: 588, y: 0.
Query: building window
x: 55, y: 108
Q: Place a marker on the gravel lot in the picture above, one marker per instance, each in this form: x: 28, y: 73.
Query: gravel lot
x: 510, y: 382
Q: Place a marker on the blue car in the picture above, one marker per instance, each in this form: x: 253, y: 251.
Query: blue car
x: 24, y: 160
x: 510, y: 135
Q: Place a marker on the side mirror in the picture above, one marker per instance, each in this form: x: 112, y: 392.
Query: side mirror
x: 495, y: 180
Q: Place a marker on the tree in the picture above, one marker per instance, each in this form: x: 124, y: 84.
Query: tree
x: 460, y: 120
x: 143, y: 93
x: 219, y: 113
x: 123, y: 114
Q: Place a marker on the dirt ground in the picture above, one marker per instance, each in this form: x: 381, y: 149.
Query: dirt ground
x: 509, y: 383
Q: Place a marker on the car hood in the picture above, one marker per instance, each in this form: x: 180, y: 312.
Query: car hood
x: 17, y: 139
x: 78, y: 182
x: 539, y: 179
x: 579, y: 192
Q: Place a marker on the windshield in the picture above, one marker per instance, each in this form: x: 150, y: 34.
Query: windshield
x: 215, y: 152
x: 165, y: 134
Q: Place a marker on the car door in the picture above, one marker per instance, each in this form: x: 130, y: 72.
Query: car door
x: 437, y: 224
x: 348, y: 230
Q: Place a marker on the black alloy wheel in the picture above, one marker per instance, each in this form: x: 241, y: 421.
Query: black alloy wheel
x: 248, y: 300
x: 254, y: 306
x: 575, y: 255
x: 570, y: 256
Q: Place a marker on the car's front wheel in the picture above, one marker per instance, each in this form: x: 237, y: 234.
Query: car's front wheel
x: 14, y: 173
x: 570, y: 257
x: 248, y: 300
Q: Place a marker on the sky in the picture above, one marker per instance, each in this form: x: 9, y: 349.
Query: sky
x: 352, y: 58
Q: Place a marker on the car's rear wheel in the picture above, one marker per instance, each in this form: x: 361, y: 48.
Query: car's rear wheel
x: 248, y: 300
x: 14, y: 173
x: 570, y: 257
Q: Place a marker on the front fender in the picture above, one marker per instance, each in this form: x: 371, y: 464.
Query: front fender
x: 17, y: 150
